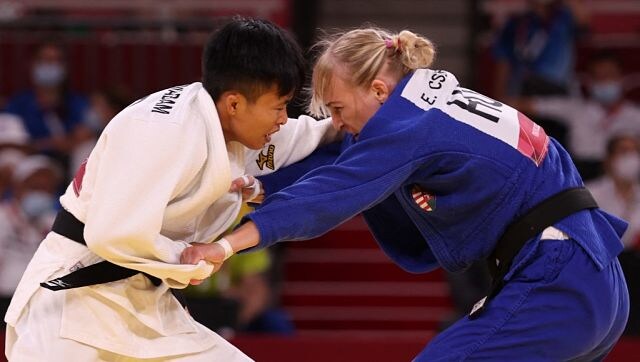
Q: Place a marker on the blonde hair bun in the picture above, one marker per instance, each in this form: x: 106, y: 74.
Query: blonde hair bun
x: 416, y: 51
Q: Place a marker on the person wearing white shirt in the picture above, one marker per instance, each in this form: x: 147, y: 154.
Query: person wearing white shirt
x: 14, y: 147
x: 591, y: 120
x: 25, y: 218
x: 618, y: 192
x: 160, y: 178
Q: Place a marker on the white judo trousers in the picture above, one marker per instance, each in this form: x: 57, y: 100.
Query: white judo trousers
x: 156, y: 182
x: 50, y: 322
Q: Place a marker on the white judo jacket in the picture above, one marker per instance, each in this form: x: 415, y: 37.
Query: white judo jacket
x: 156, y: 181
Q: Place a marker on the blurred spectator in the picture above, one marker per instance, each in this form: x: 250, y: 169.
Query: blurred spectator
x: 104, y: 105
x: 14, y: 146
x: 535, y: 50
x: 593, y: 119
x: 51, y: 113
x: 618, y: 192
x: 25, y: 219
x: 241, y: 289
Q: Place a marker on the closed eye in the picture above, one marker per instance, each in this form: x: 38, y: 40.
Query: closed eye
x: 282, y: 107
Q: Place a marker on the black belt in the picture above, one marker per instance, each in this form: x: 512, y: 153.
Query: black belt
x: 68, y: 226
x: 541, y: 216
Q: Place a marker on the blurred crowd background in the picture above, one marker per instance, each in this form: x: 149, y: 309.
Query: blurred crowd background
x: 68, y: 66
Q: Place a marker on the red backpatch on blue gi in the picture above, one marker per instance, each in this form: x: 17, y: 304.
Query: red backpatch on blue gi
x: 533, y: 141
x: 424, y: 200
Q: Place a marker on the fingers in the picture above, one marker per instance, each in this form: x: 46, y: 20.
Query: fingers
x: 236, y: 185
x: 250, y: 187
x: 212, y: 253
x: 257, y: 190
x: 244, y: 181
x: 191, y: 255
x: 215, y: 266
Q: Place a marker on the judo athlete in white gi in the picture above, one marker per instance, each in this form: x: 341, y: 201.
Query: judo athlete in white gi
x: 444, y: 177
x: 158, y: 180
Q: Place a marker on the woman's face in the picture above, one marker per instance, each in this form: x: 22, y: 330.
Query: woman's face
x: 351, y: 107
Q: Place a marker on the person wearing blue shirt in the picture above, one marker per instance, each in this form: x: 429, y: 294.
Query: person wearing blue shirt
x: 445, y: 177
x: 51, y: 113
x: 535, y: 50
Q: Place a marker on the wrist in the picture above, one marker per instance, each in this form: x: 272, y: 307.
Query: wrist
x: 226, y: 246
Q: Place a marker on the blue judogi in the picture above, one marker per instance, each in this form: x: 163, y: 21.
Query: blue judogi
x: 439, y: 172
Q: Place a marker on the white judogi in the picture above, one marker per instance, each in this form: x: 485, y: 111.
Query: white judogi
x: 156, y: 181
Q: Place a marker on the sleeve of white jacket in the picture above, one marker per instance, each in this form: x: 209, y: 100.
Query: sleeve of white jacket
x: 139, y: 167
x: 295, y: 141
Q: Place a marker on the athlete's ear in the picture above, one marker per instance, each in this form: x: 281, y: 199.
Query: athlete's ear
x: 380, y: 90
x: 231, y: 102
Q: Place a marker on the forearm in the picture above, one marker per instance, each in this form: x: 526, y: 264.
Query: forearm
x: 315, y: 205
x: 244, y: 237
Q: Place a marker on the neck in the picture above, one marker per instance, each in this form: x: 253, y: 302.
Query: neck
x: 390, y: 77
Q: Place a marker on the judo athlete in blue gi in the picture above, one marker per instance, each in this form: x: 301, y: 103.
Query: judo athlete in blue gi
x: 445, y: 176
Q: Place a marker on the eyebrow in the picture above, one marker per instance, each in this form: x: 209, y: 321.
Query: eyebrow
x: 329, y: 104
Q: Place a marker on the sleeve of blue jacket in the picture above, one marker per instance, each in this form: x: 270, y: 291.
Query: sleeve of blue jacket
x: 276, y: 181
x: 364, y: 175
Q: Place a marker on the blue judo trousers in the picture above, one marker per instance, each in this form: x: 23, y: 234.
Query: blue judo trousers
x: 439, y: 172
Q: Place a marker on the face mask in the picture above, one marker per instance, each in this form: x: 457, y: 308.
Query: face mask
x: 37, y: 203
x: 48, y: 74
x: 627, y: 166
x: 606, y: 93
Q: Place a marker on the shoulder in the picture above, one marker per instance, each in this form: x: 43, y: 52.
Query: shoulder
x: 173, y: 105
x: 170, y: 114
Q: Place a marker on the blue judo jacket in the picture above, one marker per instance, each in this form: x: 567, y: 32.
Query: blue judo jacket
x: 439, y: 172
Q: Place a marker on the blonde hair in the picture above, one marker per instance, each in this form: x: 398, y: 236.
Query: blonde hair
x: 359, y: 55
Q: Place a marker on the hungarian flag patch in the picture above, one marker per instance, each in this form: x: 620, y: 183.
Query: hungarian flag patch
x: 426, y: 201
